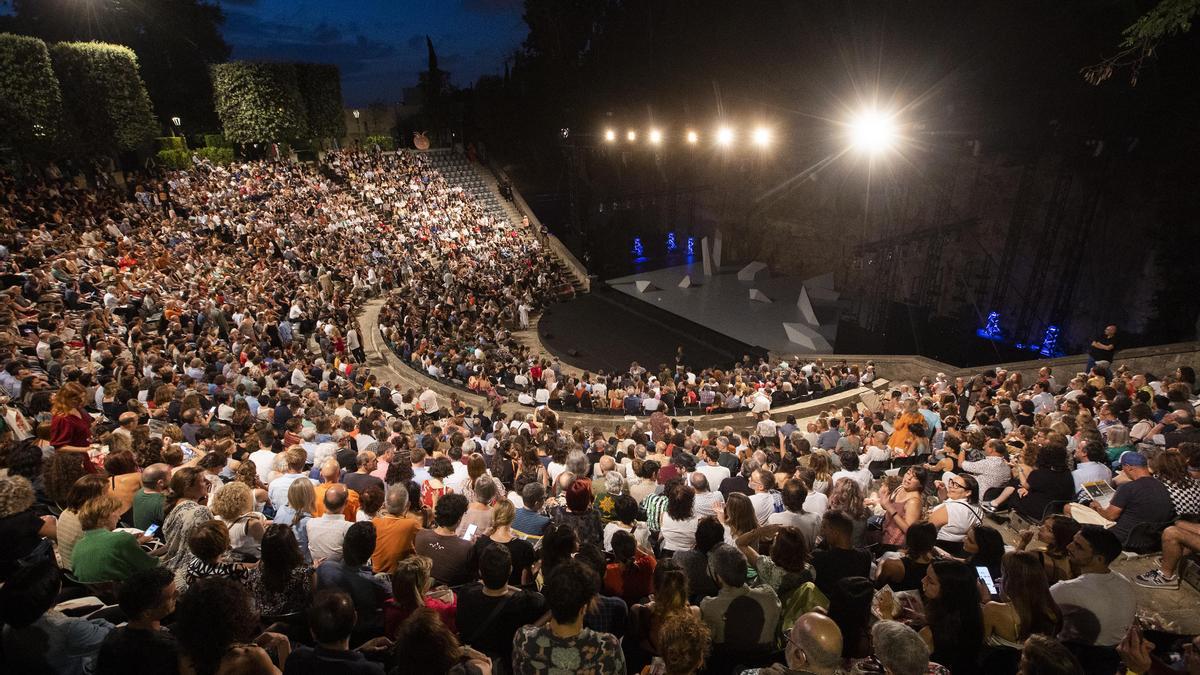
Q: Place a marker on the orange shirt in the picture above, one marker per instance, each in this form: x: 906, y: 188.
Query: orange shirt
x: 394, y: 539
x: 351, y: 509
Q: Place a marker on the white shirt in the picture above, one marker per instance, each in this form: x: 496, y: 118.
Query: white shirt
x: 325, y: 536
x: 862, y: 477
x: 277, y: 491
x: 816, y: 503
x: 1043, y: 402
x: 706, y: 502
x: 764, y: 506
x: 714, y: 473
x: 456, y: 480
x: 809, y: 524
x: 960, y: 516
x: 678, y: 535
x: 1087, y: 472
x: 767, y: 429
x: 429, y: 401
x: 1107, y: 597
x: 264, y: 460
x: 641, y: 534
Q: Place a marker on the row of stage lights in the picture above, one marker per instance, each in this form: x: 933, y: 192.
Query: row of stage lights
x: 723, y: 136
x: 870, y: 132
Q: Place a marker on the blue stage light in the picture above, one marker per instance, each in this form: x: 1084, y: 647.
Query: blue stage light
x: 991, y: 329
x: 691, y: 246
x: 1050, y: 341
x: 638, y: 249
x: 671, y: 245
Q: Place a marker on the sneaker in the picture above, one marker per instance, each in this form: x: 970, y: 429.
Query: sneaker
x: 992, y: 508
x: 1156, y: 579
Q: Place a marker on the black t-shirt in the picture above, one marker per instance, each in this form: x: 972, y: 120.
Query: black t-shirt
x: 1145, y: 500
x: 523, y: 555
x: 496, y: 638
x: 127, y: 649
x: 453, y: 558
x: 1045, y: 486
x: 305, y: 660
x: 359, y: 482
x: 1103, y: 354
x: 19, y: 532
x: 835, y: 564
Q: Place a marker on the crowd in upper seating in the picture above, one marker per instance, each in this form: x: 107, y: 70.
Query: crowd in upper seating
x: 198, y: 475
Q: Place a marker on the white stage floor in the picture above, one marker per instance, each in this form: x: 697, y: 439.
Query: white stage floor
x: 722, y: 302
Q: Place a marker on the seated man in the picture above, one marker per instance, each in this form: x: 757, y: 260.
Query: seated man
x: 452, y: 556
x: 491, y: 612
x: 740, y: 617
x: 352, y: 575
x: 1144, y: 499
x: 325, y: 534
x: 569, y: 590
x: 331, y: 619
x: 146, y: 597
x: 838, y: 559
x: 39, y: 639
x: 1099, y: 604
x: 1177, y: 540
x: 813, y: 646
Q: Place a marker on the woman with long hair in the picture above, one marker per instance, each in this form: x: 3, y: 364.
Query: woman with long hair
x: 85, y: 489
x: 670, y: 598
x: 233, y: 505
x: 678, y: 527
x: 822, y: 468
x: 737, y: 516
x: 1025, y: 606
x: 984, y: 547
x: 906, y: 572
x: 302, y: 504
x: 900, y: 440
x: 958, y: 513
x: 904, y: 506
x: 1055, y: 533
x: 1171, y: 469
x: 70, y: 424
x: 954, y: 620
x: 184, y: 514
x: 282, y: 582
x: 847, y: 497
x: 411, y: 584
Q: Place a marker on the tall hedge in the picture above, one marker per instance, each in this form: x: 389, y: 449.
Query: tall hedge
x: 104, y: 99
x: 321, y: 87
x: 30, y: 100
x: 259, y: 102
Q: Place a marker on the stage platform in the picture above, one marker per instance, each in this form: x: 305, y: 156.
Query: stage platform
x: 745, y: 303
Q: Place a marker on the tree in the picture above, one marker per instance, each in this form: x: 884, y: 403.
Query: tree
x: 105, y: 101
x: 30, y: 99
x: 259, y: 102
x: 321, y: 87
x: 175, y: 40
x: 1167, y: 19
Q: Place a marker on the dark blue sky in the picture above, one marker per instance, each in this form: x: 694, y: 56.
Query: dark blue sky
x: 378, y: 44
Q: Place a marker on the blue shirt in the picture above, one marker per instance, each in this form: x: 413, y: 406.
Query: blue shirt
x: 529, y: 523
x: 828, y: 439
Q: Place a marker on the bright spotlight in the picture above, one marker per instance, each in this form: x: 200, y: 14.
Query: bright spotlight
x: 762, y: 137
x: 610, y: 135
x: 631, y: 135
x: 873, y: 132
x: 693, y: 137
x: 724, y: 136
x: 655, y: 136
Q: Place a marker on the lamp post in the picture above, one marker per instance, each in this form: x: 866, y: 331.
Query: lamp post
x: 176, y: 123
x: 361, y: 129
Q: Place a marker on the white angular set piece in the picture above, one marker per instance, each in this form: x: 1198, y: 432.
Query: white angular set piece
x: 752, y: 271
x: 758, y: 296
x: 806, y: 308
x: 644, y: 285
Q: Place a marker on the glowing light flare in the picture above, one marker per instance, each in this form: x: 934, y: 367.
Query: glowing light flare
x: 631, y: 136
x: 762, y: 137
x: 693, y: 137
x: 655, y: 137
x: 610, y: 135
x: 725, y: 136
x: 873, y: 132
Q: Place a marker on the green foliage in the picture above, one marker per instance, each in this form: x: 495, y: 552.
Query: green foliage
x: 105, y: 101
x: 321, y: 87
x: 216, y: 141
x: 30, y: 100
x: 216, y: 155
x: 385, y: 143
x: 259, y: 102
x: 1166, y: 20
x: 171, y: 143
x: 175, y: 158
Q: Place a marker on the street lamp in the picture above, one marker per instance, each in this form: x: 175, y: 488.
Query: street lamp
x: 361, y: 128
x: 177, y: 122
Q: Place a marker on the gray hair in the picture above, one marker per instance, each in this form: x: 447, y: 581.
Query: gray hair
x: 577, y: 463
x: 728, y: 564
x: 899, y: 648
x: 397, y: 500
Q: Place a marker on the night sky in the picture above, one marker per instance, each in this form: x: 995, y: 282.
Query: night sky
x: 378, y: 44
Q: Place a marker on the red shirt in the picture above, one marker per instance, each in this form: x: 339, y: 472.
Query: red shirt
x: 634, y: 583
x: 71, y: 430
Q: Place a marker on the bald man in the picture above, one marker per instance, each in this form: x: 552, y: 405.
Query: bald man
x: 126, y: 423
x: 148, y: 500
x: 331, y: 474
x: 815, y: 645
x: 325, y: 534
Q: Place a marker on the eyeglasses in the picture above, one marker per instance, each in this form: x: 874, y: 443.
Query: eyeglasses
x: 960, y: 486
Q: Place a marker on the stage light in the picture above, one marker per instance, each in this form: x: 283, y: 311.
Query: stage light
x: 655, y: 136
x: 610, y: 135
x: 631, y: 135
x: 873, y: 132
x: 762, y: 137
x: 693, y: 137
x: 725, y: 136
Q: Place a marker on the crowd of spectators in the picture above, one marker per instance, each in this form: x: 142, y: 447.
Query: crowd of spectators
x: 199, y: 475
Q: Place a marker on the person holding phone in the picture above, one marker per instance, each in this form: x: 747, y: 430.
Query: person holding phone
x: 1024, y: 605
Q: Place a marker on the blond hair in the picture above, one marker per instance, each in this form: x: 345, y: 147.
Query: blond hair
x: 232, y: 501
x: 503, y: 513
x: 95, y: 511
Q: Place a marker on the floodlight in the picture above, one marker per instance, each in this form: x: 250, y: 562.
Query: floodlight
x: 724, y: 136
x: 762, y: 137
x: 693, y: 137
x: 655, y: 137
x: 610, y: 135
x: 873, y: 132
x: 631, y: 135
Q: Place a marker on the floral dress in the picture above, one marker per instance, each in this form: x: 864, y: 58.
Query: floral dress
x: 184, y: 518
x: 294, y: 597
x: 538, y: 650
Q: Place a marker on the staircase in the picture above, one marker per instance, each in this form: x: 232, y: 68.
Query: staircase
x: 478, y: 182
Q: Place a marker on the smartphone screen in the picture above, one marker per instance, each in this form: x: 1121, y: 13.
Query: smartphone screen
x: 470, y: 533
x: 986, y: 577
x: 152, y: 530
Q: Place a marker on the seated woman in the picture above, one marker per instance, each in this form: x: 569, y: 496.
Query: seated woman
x: 1050, y: 481
x: 411, y: 590
x: 847, y: 497
x: 630, y: 576
x: 1056, y: 533
x: 104, y: 555
x: 984, y: 547
x: 1025, y: 605
x: 39, y: 639
x: 670, y: 598
x: 960, y: 510
x: 954, y: 620
x: 904, y: 573
x: 625, y: 513
x: 787, y: 568
x: 903, y: 506
x: 282, y: 583
x: 209, y: 544
x: 234, y: 507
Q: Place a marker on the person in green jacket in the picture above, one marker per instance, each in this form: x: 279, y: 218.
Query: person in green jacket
x: 104, y: 555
